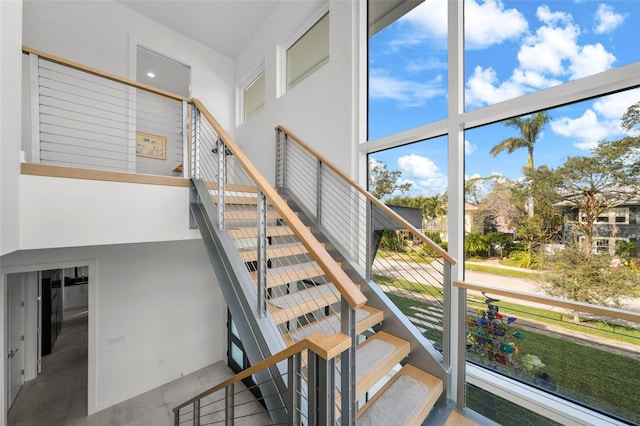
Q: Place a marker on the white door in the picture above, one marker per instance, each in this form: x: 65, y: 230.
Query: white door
x: 15, y: 350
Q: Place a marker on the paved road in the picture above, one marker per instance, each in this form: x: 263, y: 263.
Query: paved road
x: 405, y: 270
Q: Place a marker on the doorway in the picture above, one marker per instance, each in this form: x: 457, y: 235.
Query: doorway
x: 47, y: 318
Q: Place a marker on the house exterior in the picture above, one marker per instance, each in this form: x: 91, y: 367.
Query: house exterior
x: 621, y: 223
x: 156, y: 311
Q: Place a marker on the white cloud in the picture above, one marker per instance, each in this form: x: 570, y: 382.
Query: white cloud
x: 427, y: 65
x: 483, y: 87
x: 546, y: 58
x: 429, y: 21
x: 488, y: 23
x: 469, y: 148
x: 606, y: 20
x: 408, y: 93
x: 600, y: 122
x: 424, y: 174
x: 612, y: 107
x: 588, y: 130
x: 591, y: 59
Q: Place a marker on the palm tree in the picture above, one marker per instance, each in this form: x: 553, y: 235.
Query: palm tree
x: 433, y: 207
x: 530, y: 128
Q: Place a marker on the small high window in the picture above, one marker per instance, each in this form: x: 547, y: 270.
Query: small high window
x: 254, y: 96
x: 309, y: 52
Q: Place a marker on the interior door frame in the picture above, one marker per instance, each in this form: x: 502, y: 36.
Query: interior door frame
x: 9, y: 315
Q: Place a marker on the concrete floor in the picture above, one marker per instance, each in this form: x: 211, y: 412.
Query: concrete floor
x: 58, y: 396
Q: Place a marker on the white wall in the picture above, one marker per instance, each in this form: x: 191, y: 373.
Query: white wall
x: 155, y: 313
x: 10, y: 119
x: 103, y: 35
x: 320, y: 109
x: 61, y: 212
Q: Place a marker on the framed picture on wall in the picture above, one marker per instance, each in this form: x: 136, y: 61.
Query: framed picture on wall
x: 151, y: 146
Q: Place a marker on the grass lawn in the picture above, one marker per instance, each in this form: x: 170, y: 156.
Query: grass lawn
x: 593, y: 376
x: 501, y: 271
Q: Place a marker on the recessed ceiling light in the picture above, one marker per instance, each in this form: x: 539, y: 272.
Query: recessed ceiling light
x: 151, y: 75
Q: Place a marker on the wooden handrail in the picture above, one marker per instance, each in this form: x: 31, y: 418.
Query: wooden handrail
x: 103, y: 175
x: 332, y: 270
x: 103, y: 74
x: 552, y: 301
x: 399, y: 219
x: 328, y: 347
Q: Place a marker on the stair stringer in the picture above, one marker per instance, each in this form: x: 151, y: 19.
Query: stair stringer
x: 258, y: 334
x: 423, y: 354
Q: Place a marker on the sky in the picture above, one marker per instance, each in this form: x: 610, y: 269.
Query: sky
x: 512, y: 48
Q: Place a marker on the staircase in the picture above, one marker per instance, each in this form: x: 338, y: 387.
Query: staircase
x: 283, y: 286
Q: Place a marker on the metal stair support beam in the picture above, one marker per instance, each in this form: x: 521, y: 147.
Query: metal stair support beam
x: 259, y: 338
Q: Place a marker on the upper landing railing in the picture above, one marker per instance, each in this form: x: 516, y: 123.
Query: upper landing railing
x: 81, y: 117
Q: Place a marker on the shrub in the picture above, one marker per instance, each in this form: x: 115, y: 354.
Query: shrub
x: 524, y: 259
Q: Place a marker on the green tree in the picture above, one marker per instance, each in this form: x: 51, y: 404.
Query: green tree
x: 383, y: 182
x: 631, y: 118
x: 606, y: 179
x: 530, y: 128
x: 574, y: 274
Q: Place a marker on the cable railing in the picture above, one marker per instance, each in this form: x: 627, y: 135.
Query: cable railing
x: 85, y: 118
x: 297, y: 284
x: 308, y: 368
x: 383, y: 247
x: 586, y: 354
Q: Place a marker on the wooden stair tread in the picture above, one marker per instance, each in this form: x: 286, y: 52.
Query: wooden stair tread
x: 375, y: 357
x: 272, y: 231
x: 366, y: 317
x: 280, y: 250
x: 293, y: 305
x: 237, y: 200
x: 249, y: 215
x: 405, y: 400
x: 289, y: 274
x: 235, y: 187
x: 457, y: 419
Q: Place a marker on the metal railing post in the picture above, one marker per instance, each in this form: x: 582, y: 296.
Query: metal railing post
x: 369, y: 255
x: 279, y: 158
x: 176, y: 418
x: 322, y: 390
x: 262, y: 254
x: 229, y: 413
x: 461, y: 348
x: 221, y: 181
x: 294, y: 414
x: 348, y: 401
x: 319, y: 193
x: 34, y: 88
x: 185, y: 140
x: 195, y: 147
x: 196, y: 413
x: 447, y: 316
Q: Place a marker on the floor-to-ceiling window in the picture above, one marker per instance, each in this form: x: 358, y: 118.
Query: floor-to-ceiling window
x: 548, y: 114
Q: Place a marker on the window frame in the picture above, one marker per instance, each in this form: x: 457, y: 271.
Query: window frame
x: 241, y: 116
x: 282, y: 85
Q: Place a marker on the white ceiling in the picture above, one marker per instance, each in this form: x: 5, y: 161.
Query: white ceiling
x: 223, y: 25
